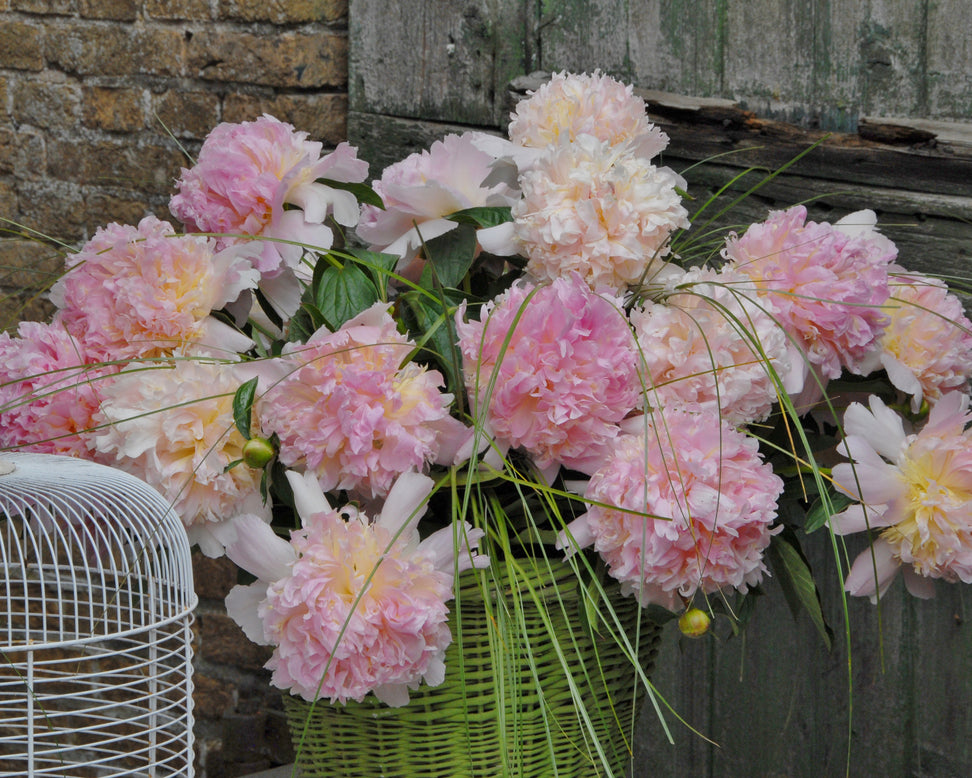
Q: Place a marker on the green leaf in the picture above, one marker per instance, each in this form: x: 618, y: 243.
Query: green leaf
x: 792, y: 571
x: 343, y: 293
x: 483, y: 216
x: 268, y: 309
x: 243, y: 406
x: 434, y: 328
x: 305, y: 323
x: 451, y: 255
x: 364, y: 193
x: 821, y: 510
x: 377, y: 265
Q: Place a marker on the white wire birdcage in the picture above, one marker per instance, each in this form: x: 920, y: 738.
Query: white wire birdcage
x: 96, y: 610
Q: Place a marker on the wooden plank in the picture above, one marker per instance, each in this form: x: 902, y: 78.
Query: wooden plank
x: 933, y: 233
x: 779, y: 701
x: 584, y: 35
x: 816, y: 64
x: 891, y: 57
x: 434, y: 59
x: 770, y: 57
x: 704, y: 131
x: 678, y: 45
x: 835, y: 88
x: 948, y: 55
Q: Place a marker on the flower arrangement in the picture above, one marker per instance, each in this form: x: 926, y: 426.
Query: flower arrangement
x: 502, y: 348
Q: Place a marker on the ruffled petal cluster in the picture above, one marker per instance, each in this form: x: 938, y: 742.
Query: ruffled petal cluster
x: 347, y: 409
x: 824, y: 283
x: 708, y: 346
x: 354, y: 605
x: 134, y: 292
x: 599, y: 210
x: 552, y: 369
x: 573, y: 104
x: 49, y: 390
x: 421, y: 190
x: 926, y: 346
x: 915, y: 489
x: 173, y: 427
x: 685, y: 506
x: 248, y: 172
x: 356, y: 579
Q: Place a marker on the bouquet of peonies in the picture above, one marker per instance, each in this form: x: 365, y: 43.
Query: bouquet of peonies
x: 501, y: 347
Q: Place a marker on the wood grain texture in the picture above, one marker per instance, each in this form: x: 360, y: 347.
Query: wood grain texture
x: 894, y: 702
x: 820, y: 63
x: 435, y: 59
x: 757, y: 82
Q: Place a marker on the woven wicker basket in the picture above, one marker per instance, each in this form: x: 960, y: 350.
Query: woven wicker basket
x: 487, y: 719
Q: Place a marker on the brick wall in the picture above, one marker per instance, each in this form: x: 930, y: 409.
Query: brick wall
x: 90, y: 91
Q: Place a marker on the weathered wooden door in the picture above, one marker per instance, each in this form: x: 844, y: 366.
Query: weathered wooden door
x: 894, y: 695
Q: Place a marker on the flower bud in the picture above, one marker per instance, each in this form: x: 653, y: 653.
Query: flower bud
x: 694, y: 623
x: 257, y: 452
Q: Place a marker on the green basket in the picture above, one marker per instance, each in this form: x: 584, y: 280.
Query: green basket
x: 489, y: 718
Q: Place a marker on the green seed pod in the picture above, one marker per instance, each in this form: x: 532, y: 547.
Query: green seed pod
x: 257, y: 452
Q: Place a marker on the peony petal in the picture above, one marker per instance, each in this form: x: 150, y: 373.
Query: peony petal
x: 258, y: 549
x: 575, y: 536
x: 859, y: 518
x: 394, y: 695
x: 242, y: 605
x: 919, y: 586
x: 406, y: 502
x: 873, y: 571
x: 874, y: 485
x: 309, y: 498
x: 880, y: 426
x: 441, y: 547
x: 499, y: 240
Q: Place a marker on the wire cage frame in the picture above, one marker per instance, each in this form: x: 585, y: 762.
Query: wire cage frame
x: 96, y: 611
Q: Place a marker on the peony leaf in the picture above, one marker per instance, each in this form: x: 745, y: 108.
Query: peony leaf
x: 343, y: 293
x: 305, y: 322
x: 377, y: 265
x: 364, y: 193
x: 484, y: 216
x: 793, y: 572
x: 820, y: 512
x: 451, y: 255
x: 434, y: 329
x: 243, y: 406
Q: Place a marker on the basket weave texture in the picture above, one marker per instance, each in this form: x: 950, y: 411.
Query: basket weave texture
x: 489, y: 718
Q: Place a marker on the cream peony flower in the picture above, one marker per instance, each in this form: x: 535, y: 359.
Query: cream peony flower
x: 913, y: 488
x: 173, y: 427
x: 599, y: 210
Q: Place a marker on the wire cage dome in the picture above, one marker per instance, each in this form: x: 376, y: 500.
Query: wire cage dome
x: 96, y: 609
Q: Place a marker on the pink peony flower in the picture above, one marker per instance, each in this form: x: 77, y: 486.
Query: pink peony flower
x: 824, y: 283
x: 173, y: 427
x: 926, y: 347
x: 348, y: 410
x: 143, y: 291
x: 49, y: 390
x: 915, y: 489
x: 693, y: 508
x: 352, y: 606
x: 571, y: 105
x: 598, y: 210
x: 708, y: 346
x: 423, y: 188
x: 553, y: 369
x: 248, y: 172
